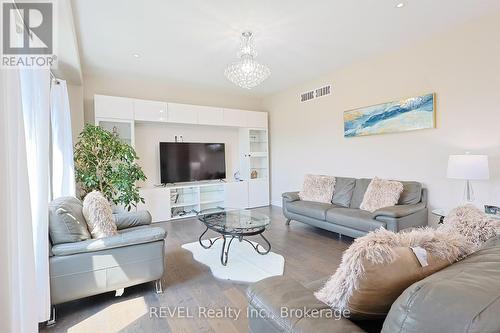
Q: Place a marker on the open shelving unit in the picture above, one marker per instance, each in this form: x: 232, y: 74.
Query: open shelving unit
x: 187, y: 200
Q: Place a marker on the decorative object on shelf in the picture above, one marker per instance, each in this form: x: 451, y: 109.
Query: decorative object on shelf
x: 404, y: 115
x: 493, y: 210
x: 106, y: 164
x: 254, y: 174
x: 237, y: 176
x: 246, y: 72
x: 115, y: 131
x: 468, y: 167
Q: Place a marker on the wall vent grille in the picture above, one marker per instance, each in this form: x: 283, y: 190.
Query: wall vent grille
x: 323, y: 91
x: 316, y: 93
x: 307, y: 96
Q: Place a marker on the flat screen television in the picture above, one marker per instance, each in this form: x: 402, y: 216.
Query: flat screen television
x: 189, y: 161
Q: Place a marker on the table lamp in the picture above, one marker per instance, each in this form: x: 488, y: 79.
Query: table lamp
x: 468, y: 167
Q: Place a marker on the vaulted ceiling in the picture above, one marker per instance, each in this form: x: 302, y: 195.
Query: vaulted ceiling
x: 190, y: 42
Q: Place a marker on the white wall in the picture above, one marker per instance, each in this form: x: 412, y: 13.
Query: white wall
x: 462, y: 67
x: 149, y: 135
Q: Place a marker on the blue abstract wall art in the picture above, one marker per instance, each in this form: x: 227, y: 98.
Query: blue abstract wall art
x: 408, y: 114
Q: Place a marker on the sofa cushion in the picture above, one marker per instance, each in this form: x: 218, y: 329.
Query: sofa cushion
x: 359, y: 192
x: 277, y: 300
x: 412, y: 193
x: 312, y: 209
x: 353, y: 218
x: 125, y: 237
x: 344, y: 188
x: 378, y: 267
x: 132, y: 219
x: 66, y: 221
x: 464, y: 297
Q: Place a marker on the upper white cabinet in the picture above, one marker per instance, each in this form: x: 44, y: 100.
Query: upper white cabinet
x: 242, y: 118
x: 209, y: 115
x: 150, y: 110
x: 234, y: 117
x: 113, y: 107
x: 183, y: 113
x: 257, y: 119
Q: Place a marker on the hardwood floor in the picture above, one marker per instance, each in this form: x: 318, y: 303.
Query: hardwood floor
x: 309, y: 253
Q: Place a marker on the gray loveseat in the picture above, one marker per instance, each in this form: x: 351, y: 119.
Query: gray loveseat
x: 343, y: 215
x: 464, y: 297
x: 81, y: 266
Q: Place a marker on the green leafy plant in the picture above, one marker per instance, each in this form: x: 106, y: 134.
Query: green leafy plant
x: 106, y: 164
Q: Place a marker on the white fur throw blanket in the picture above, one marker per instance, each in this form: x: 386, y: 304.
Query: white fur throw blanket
x: 317, y: 188
x: 99, y: 215
x: 464, y: 230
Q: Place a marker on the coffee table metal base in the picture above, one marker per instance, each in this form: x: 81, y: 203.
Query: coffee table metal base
x: 228, y: 238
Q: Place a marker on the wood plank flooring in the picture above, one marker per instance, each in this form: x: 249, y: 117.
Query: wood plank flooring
x: 310, y: 253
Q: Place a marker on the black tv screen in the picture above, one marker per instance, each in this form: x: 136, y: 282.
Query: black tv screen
x: 187, y: 161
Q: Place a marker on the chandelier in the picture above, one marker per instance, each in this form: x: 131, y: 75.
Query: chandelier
x: 246, y: 72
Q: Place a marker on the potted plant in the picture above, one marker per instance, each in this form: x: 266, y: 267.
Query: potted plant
x: 104, y: 163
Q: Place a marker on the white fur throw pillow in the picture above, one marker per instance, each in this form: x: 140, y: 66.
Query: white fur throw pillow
x: 365, y: 261
x: 472, y: 223
x: 381, y: 193
x: 317, y: 188
x: 99, y: 215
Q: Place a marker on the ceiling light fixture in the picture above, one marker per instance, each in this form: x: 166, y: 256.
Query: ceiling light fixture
x: 136, y: 55
x: 246, y: 72
x: 400, y: 5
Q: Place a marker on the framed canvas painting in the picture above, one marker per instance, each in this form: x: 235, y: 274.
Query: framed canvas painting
x: 408, y: 114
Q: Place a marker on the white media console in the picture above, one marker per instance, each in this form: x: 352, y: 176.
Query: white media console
x: 121, y: 114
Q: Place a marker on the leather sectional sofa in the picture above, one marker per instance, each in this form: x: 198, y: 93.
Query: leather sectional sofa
x: 464, y: 297
x: 343, y: 215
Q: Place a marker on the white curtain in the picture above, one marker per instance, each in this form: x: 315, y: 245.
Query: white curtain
x: 35, y: 90
x: 63, y: 174
x: 18, y: 311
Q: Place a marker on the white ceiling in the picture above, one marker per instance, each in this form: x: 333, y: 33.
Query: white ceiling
x: 190, y: 42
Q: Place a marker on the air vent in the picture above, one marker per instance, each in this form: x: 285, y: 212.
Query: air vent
x: 323, y: 91
x: 307, y: 96
x: 316, y: 93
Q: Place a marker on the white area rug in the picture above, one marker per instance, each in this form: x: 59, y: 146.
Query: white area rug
x: 244, y: 263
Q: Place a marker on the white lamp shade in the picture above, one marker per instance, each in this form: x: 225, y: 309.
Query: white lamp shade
x: 470, y: 167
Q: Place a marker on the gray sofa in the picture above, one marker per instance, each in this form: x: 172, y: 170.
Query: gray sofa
x: 464, y: 297
x: 343, y: 215
x: 81, y: 266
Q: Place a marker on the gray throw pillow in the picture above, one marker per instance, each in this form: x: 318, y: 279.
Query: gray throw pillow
x: 344, y: 187
x: 66, y: 221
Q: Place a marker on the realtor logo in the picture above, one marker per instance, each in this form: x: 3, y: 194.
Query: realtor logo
x: 28, y: 34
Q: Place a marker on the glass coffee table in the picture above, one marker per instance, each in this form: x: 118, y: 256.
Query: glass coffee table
x: 231, y: 224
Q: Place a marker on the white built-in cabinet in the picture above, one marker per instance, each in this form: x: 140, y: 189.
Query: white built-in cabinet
x: 150, y: 111
x: 119, y: 115
x: 254, y: 164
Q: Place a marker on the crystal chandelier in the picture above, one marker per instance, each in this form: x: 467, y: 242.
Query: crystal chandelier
x: 246, y: 72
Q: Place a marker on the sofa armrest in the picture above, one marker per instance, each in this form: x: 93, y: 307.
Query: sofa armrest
x: 126, y: 220
x: 127, y: 237
x: 398, y: 210
x: 291, y: 196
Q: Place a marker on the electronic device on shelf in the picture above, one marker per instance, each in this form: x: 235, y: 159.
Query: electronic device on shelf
x: 191, y: 161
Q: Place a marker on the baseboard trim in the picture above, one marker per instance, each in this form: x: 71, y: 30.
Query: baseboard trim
x: 277, y: 203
